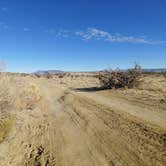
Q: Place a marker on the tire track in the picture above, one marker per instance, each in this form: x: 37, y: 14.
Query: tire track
x: 147, y: 145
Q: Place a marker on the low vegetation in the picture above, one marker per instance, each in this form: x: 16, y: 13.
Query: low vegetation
x: 164, y: 74
x: 120, y: 79
x: 36, y: 113
x: 16, y: 93
x: 5, y: 126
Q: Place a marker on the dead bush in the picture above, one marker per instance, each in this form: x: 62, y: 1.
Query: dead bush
x: 24, y: 74
x: 6, y: 97
x: 164, y: 74
x: 37, y: 75
x: 29, y: 97
x: 120, y: 79
x: 48, y: 76
x: 6, y: 122
x: 61, y: 76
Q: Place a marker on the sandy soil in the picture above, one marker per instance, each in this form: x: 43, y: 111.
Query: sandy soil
x: 65, y: 122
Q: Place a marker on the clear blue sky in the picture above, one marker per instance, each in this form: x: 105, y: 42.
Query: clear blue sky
x: 82, y: 34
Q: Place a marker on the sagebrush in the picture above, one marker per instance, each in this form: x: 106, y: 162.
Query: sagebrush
x: 164, y: 74
x: 120, y: 79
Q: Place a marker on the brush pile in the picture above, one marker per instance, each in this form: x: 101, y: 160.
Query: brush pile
x: 120, y: 79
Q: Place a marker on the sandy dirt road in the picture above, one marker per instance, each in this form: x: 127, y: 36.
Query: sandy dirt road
x: 80, y: 128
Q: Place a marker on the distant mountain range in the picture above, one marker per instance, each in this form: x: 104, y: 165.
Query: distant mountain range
x: 41, y: 72
x: 157, y: 70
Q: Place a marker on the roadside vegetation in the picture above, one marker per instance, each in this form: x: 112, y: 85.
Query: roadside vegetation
x: 6, y: 123
x: 120, y: 79
x: 164, y: 74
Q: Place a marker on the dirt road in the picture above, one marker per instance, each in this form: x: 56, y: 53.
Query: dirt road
x: 82, y: 128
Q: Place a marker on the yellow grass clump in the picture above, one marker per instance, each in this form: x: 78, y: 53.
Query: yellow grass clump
x: 29, y: 97
x: 5, y: 126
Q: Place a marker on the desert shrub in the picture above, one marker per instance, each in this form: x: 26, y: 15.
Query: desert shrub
x: 17, y: 93
x: 77, y: 75
x: 48, y: 75
x: 29, y: 97
x: 95, y: 76
x: 5, y: 126
x: 37, y: 75
x: 164, y: 74
x: 120, y: 79
x: 6, y: 97
x: 68, y: 74
x: 61, y: 76
x: 24, y: 74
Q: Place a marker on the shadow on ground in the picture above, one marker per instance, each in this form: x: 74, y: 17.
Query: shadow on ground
x: 91, y: 89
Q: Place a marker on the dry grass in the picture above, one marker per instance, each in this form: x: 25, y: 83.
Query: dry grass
x: 6, y: 102
x: 164, y: 74
x: 16, y: 93
x: 28, y: 97
x: 6, y: 99
x: 46, y: 120
x: 5, y: 126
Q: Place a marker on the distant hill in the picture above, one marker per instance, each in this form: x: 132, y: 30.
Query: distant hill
x: 41, y: 72
x: 157, y: 70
